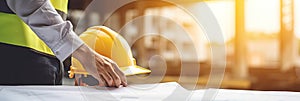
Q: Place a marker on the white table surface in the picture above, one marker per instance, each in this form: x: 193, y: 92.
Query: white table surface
x: 142, y: 92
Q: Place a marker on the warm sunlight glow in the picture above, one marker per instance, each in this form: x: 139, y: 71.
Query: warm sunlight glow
x: 262, y: 16
x: 297, y: 18
x: 224, y: 13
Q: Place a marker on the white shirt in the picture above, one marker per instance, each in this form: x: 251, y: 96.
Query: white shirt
x: 43, y: 19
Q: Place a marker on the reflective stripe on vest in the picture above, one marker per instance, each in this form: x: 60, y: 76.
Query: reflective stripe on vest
x: 14, y: 31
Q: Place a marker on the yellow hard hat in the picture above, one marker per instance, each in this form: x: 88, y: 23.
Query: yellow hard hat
x: 110, y: 44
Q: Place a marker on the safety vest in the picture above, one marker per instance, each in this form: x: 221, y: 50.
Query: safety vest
x: 15, y: 32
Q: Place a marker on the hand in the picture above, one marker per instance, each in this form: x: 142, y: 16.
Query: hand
x: 102, y: 68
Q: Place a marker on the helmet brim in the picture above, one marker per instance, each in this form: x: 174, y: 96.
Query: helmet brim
x: 134, y: 70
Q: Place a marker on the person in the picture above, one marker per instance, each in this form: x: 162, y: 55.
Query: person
x: 34, y: 40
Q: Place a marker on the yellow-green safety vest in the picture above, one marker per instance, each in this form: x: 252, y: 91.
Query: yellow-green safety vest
x: 15, y: 32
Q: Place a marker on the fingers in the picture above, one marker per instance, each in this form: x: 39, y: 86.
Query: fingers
x: 120, y: 74
x: 108, y: 79
x: 104, y: 77
x: 115, y: 77
x: 106, y: 70
x: 101, y: 81
x: 118, y: 71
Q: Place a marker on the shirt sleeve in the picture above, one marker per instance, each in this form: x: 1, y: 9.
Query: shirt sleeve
x: 43, y: 19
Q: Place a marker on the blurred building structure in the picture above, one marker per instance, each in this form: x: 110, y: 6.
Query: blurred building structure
x: 259, y: 60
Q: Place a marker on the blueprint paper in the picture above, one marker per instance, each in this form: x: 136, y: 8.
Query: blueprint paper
x: 138, y: 92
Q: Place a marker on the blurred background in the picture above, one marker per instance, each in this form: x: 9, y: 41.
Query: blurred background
x: 261, y: 38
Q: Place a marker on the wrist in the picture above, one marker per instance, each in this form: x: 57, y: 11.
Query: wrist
x: 82, y: 51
